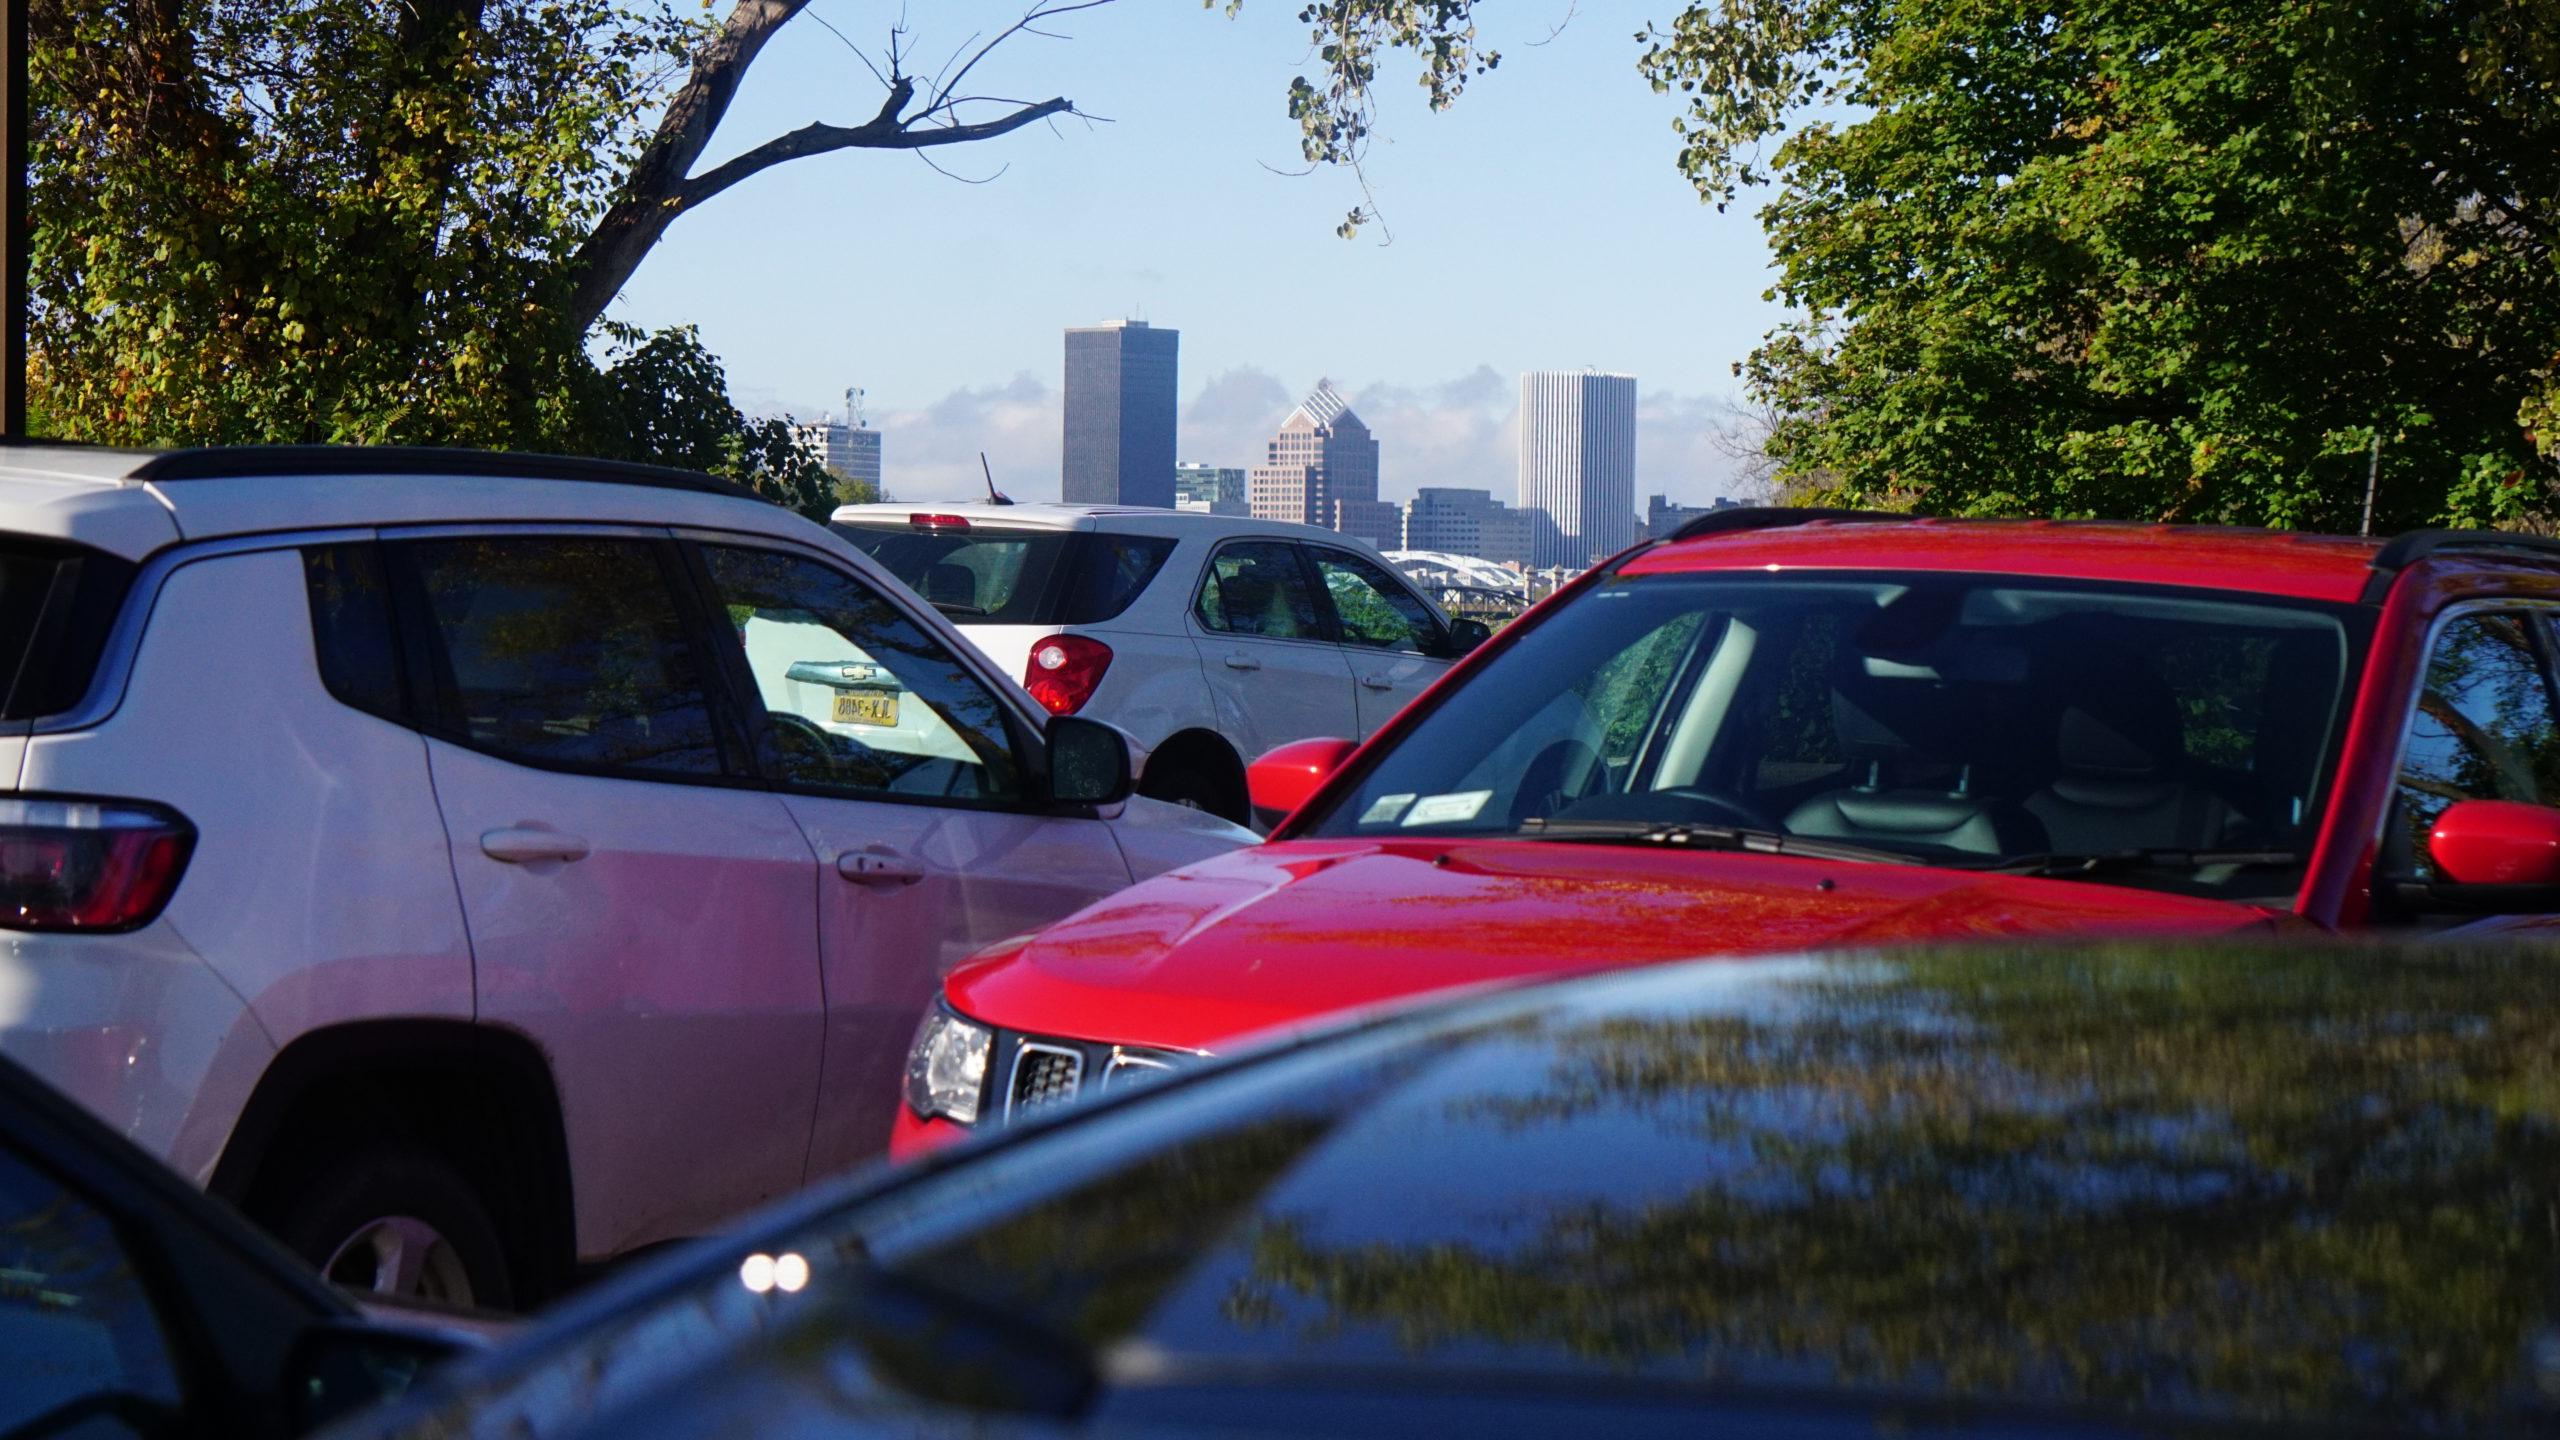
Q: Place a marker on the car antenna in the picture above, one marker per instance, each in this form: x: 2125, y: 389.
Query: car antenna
x: 994, y: 495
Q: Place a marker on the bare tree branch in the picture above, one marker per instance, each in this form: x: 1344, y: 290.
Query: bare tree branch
x: 662, y: 185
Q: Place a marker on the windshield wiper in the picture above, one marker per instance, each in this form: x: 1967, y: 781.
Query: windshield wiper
x: 1675, y: 834
x: 954, y: 607
x: 2117, y: 862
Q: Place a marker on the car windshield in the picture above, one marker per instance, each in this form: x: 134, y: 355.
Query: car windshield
x: 2167, y: 738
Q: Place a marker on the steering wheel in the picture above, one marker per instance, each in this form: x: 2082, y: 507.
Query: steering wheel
x: 804, y: 744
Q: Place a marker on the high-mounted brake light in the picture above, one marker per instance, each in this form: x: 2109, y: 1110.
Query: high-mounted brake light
x: 96, y: 865
x: 1064, y: 672
x: 924, y: 521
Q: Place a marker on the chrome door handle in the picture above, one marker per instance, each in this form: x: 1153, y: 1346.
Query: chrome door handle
x: 523, y: 846
x: 1243, y: 662
x: 1377, y: 682
x: 870, y: 867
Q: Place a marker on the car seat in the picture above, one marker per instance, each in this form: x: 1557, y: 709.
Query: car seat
x: 2121, y: 780
x: 1894, y: 728
x: 949, y: 584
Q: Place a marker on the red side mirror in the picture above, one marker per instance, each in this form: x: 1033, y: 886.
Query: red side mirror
x: 2497, y: 842
x: 1281, y: 781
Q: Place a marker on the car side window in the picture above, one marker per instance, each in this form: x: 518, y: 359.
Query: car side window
x: 1113, y: 571
x: 2484, y: 728
x: 565, y: 650
x: 1257, y: 587
x: 1374, y: 608
x: 860, y: 698
x: 76, y: 1322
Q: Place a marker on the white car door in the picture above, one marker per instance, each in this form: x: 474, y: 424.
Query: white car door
x: 1273, y: 671
x: 637, y: 904
x: 896, y: 757
x: 1395, y: 645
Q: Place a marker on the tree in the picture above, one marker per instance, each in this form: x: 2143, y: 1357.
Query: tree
x: 2147, y: 259
x: 336, y: 220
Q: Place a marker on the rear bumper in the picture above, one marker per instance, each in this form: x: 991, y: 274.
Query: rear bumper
x: 911, y: 1135
x: 138, y: 1030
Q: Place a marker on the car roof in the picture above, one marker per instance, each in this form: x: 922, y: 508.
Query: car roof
x: 1116, y: 519
x: 2272, y: 562
x: 132, y: 502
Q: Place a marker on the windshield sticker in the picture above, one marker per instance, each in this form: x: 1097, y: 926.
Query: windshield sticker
x: 1385, y: 809
x: 1441, y: 809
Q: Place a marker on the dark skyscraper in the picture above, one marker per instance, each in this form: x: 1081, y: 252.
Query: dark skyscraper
x: 1119, y: 402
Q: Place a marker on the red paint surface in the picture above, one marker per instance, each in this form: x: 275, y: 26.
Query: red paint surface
x: 1290, y: 930
x: 2307, y: 567
x: 2497, y: 842
x: 1282, y: 780
x: 910, y: 1137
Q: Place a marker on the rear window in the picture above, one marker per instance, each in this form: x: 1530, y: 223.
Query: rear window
x: 984, y: 575
x: 57, y: 603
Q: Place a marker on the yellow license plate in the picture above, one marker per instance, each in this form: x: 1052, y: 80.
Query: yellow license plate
x: 866, y: 709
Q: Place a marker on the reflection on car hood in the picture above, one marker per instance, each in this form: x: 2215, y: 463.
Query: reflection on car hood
x: 2311, y: 1186
x: 1275, y: 934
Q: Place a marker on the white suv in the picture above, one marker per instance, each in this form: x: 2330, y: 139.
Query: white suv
x: 471, y: 865
x: 1208, y: 639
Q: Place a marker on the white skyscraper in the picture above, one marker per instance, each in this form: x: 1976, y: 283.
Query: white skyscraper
x: 1578, y: 464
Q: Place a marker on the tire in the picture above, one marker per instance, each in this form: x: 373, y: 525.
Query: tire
x: 397, y: 1220
x: 1195, y: 788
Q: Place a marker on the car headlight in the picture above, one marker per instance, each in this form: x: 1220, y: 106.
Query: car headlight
x: 947, y: 1069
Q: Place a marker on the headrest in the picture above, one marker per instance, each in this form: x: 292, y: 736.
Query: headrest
x: 1246, y: 598
x: 1893, y: 717
x: 2119, y: 722
x: 949, y: 584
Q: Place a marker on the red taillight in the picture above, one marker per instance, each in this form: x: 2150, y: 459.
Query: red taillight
x: 939, y: 522
x: 1064, y: 672
x: 88, y: 864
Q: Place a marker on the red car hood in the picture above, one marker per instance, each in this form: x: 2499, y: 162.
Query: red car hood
x: 1283, y: 932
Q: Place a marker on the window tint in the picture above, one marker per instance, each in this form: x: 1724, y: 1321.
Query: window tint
x: 1258, y: 588
x: 1375, y: 610
x: 74, y: 1319
x: 351, y: 634
x: 976, y: 575
x: 566, y: 651
x: 860, y: 698
x: 1111, y: 572
x: 2483, y: 730
x: 57, y: 603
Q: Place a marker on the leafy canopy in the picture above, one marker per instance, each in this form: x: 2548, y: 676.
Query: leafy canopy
x: 348, y: 221
x: 2152, y: 258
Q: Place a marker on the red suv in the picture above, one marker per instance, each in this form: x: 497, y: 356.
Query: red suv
x: 1783, y: 729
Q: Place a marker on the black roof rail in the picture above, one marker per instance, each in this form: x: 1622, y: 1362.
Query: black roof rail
x: 1735, y: 519
x: 2411, y: 546
x: 232, y: 462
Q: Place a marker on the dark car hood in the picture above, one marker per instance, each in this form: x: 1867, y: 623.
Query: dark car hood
x: 2308, y: 1186
x: 1279, y: 933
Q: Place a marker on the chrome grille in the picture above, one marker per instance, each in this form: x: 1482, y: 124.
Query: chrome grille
x: 1128, y: 1067
x: 1043, y: 1075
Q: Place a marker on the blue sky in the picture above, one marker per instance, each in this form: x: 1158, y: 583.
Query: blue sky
x: 1539, y: 224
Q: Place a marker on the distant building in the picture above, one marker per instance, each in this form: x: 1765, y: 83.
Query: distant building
x: 1321, y: 458
x: 1120, y: 383
x: 1465, y: 522
x: 1210, y: 489
x: 850, y: 452
x: 1661, y: 517
x: 1578, y: 463
x: 1380, y: 522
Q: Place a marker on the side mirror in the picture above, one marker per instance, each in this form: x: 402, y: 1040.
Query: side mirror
x: 1088, y: 762
x: 1281, y: 781
x: 1465, y: 635
x: 2496, y: 842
